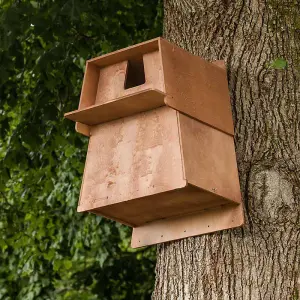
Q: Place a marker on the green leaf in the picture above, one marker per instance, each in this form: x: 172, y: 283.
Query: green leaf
x: 278, y: 64
x: 67, y: 264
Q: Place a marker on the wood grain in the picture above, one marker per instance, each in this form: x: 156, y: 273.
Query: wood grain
x: 153, y: 70
x: 131, y: 158
x: 187, y: 225
x: 111, y: 82
x: 136, y: 168
x: 82, y: 128
x: 209, y: 158
x: 177, y: 202
x: 121, y: 107
x: 196, y: 87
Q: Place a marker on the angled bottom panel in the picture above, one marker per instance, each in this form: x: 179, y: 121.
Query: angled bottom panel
x: 205, y: 221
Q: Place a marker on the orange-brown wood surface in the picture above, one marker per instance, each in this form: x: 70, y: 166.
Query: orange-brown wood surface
x: 118, y: 108
x: 153, y: 70
x: 192, y: 85
x: 111, y: 82
x: 126, y: 53
x: 138, y: 168
x: 138, y: 211
x: 209, y: 158
x: 186, y: 225
x: 112, y: 78
x: 131, y: 158
x: 196, y: 87
x: 89, y: 86
x: 82, y: 128
x: 106, y: 86
x: 88, y: 93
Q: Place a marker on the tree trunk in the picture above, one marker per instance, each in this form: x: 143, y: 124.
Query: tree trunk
x: 261, y: 260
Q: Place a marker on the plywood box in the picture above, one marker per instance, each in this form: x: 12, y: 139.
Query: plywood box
x: 161, y: 153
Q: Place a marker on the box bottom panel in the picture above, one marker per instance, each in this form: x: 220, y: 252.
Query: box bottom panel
x: 140, y: 211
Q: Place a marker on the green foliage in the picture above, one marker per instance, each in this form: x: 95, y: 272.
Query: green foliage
x: 47, y: 249
x: 278, y: 64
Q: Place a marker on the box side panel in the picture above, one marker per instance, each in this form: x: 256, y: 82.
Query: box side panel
x: 153, y: 70
x: 209, y: 158
x: 89, y: 86
x: 88, y: 94
x: 196, y: 87
x: 197, y: 223
x: 131, y: 158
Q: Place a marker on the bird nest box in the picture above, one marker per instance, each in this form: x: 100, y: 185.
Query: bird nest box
x: 161, y: 154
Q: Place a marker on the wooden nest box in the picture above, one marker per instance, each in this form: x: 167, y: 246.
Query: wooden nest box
x: 161, y: 154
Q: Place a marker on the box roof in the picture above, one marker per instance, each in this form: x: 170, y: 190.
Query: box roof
x: 126, y: 53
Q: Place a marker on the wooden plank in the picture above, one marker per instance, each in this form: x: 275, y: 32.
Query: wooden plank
x: 136, y: 212
x: 121, y: 107
x: 125, y: 54
x: 196, y: 87
x: 209, y: 158
x: 179, y: 227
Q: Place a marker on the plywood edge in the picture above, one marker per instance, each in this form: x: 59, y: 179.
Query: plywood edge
x: 181, y: 147
x: 228, y: 132
x: 237, y: 200
x: 161, y: 60
x: 126, y: 53
x: 82, y: 183
x: 108, y: 110
x: 198, y: 223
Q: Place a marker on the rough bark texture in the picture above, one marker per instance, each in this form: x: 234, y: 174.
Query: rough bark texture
x: 261, y: 260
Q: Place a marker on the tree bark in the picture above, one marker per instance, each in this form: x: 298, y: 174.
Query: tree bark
x: 261, y: 260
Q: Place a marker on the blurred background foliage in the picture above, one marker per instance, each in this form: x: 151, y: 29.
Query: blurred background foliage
x: 47, y: 249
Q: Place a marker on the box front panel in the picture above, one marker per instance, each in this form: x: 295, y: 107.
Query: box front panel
x: 111, y: 82
x: 127, y: 77
x: 132, y: 157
